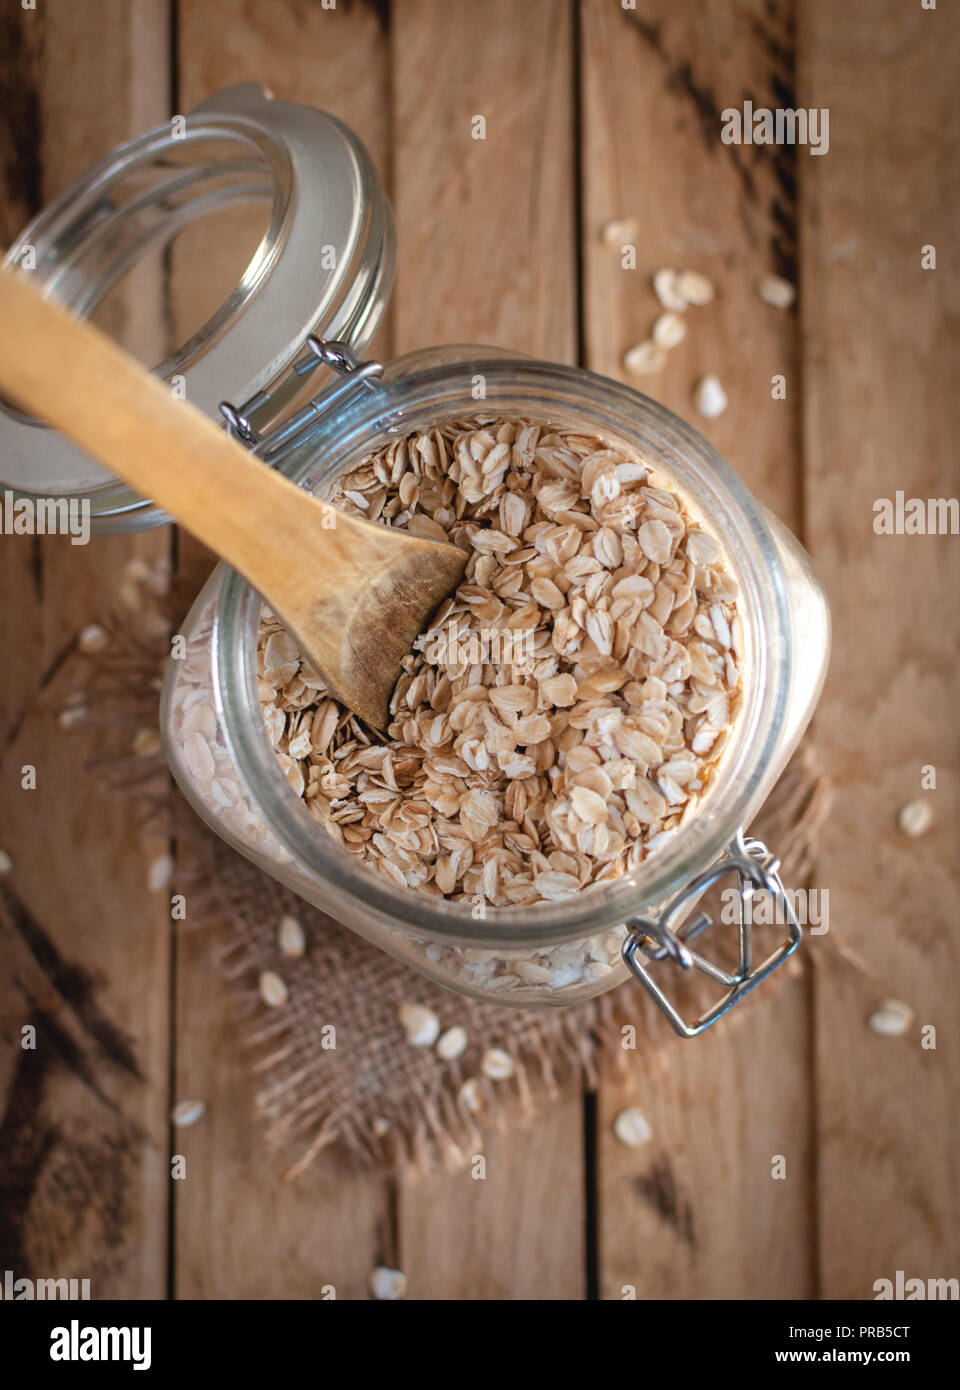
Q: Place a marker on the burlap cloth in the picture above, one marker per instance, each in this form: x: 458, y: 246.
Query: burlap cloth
x: 388, y: 1103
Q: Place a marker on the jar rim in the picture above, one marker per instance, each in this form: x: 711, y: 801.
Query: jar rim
x: 520, y: 386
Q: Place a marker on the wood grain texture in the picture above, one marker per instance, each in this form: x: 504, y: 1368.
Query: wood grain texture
x: 674, y: 1216
x: 486, y: 226
x: 868, y: 1125
x: 881, y: 415
x: 83, y: 1137
x: 487, y: 255
x: 332, y: 1226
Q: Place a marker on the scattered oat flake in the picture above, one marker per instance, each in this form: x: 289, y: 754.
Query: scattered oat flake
x: 695, y: 288
x: 290, y: 937
x: 187, y: 1112
x: 452, y: 1043
x: 6, y: 863
x: 159, y: 873
x: 915, y: 818
x: 667, y: 290
x: 620, y: 231
x: 709, y: 397
x: 387, y: 1285
x: 497, y: 1064
x: 93, y: 639
x: 420, y: 1024
x: 669, y: 330
x: 632, y: 1127
x: 71, y: 715
x: 147, y: 743
x: 776, y: 291
x: 469, y: 1094
x: 645, y: 358
x: 273, y: 990
x: 891, y: 1019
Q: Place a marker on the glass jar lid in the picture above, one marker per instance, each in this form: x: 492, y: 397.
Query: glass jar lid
x: 323, y: 266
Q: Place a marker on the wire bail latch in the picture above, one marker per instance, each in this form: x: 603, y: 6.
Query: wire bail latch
x: 659, y: 939
x: 319, y: 352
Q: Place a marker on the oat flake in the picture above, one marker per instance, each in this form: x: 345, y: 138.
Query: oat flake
x: 497, y: 1064
x: 159, y: 873
x: 915, y: 818
x: 645, y: 358
x: 892, y: 1019
x: 187, y: 1112
x: 420, y: 1024
x: 93, y: 639
x: 273, y: 990
x: 669, y: 330
x: 776, y: 291
x: 632, y: 1127
x: 695, y: 288
x: 452, y: 1043
x: 709, y: 397
x: 667, y: 290
x: 387, y: 1284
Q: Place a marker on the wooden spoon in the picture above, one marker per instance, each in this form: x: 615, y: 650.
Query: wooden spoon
x: 355, y: 595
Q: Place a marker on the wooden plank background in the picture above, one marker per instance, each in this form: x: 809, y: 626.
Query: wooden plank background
x: 593, y: 112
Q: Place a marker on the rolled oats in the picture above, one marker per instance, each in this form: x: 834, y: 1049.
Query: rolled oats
x: 159, y: 873
x: 562, y: 718
x: 387, y: 1284
x: 667, y: 290
x: 620, y: 231
x: 187, y: 1112
x: 469, y: 1094
x: 93, y: 639
x: 892, y: 1018
x: 520, y: 771
x: 776, y: 291
x: 72, y: 714
x: 497, y: 1064
x: 645, y: 358
x: 915, y: 818
x: 694, y: 288
x: 632, y: 1127
x: 273, y: 990
x: 709, y: 397
x: 290, y: 937
x: 452, y: 1043
x: 420, y: 1024
x: 147, y: 743
x: 669, y: 329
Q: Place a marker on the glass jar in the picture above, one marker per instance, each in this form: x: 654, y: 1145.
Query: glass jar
x: 214, y: 732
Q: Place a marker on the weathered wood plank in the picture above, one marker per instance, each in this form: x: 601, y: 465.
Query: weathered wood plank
x: 486, y: 230
x: 241, y: 1231
x: 83, y: 1136
x: 695, y: 1214
x: 881, y: 415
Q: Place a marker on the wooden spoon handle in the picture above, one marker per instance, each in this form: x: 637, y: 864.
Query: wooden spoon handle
x: 69, y: 373
x: 355, y: 594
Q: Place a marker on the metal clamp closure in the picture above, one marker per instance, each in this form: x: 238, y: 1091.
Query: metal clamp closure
x: 319, y: 353
x: 658, y: 939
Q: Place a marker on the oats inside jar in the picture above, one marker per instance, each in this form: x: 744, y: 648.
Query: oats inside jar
x: 564, y: 714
